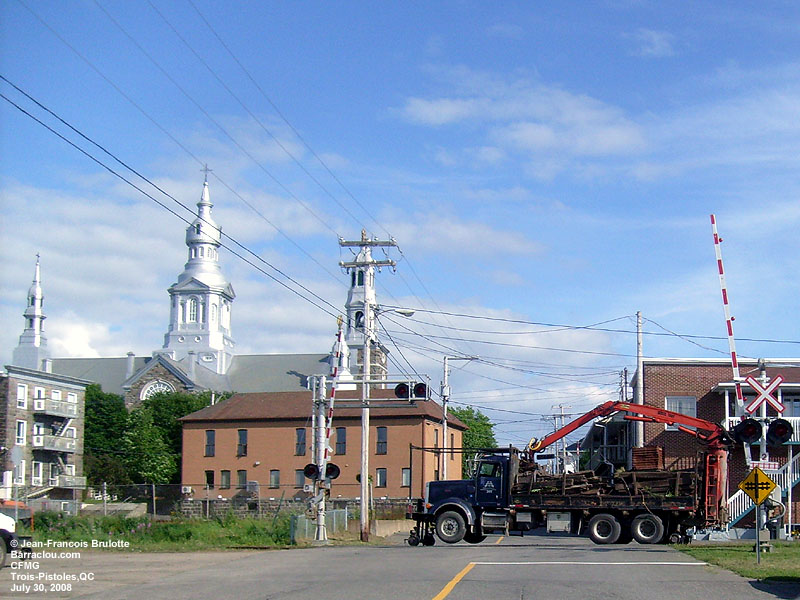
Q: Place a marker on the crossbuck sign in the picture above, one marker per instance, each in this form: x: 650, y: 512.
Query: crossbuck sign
x: 765, y: 395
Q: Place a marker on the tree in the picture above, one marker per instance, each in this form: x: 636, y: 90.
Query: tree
x: 480, y: 433
x: 106, y: 420
x: 147, y: 454
x: 166, y: 409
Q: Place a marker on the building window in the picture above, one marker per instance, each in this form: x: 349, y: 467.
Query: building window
x: 55, y: 394
x: 299, y: 478
x: 435, y: 438
x: 71, y: 433
x: 210, y: 479
x: 792, y: 407
x: 380, y: 447
x: 274, y: 478
x: 241, y: 479
x: 406, y: 477
x: 224, y: 480
x: 341, y: 440
x: 22, y: 396
x: 360, y: 278
x: 36, y: 473
x: 192, y: 310
x: 359, y: 320
x: 211, y: 436
x: 380, y: 478
x: 241, y: 448
x: 72, y: 397
x: 19, y: 473
x: 22, y: 431
x: 686, y: 405
x: 300, y: 442
x: 452, y: 446
x: 53, y: 473
x: 38, y: 392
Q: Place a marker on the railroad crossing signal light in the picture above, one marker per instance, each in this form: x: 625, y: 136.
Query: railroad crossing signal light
x: 779, y: 432
x: 332, y: 471
x: 747, y: 432
x: 415, y: 390
x: 311, y: 471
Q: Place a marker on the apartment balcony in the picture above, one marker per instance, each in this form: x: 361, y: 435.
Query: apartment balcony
x: 795, y: 421
x: 55, y: 408
x: 71, y: 482
x: 55, y: 443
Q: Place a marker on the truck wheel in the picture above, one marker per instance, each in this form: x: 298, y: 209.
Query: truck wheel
x: 647, y: 529
x: 604, y: 529
x: 474, y: 538
x: 450, y: 527
x: 413, y: 539
x: 3, y: 553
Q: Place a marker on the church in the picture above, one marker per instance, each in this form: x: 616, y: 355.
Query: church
x: 199, y: 349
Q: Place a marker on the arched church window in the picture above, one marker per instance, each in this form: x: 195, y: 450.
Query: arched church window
x: 352, y: 279
x: 213, y: 313
x: 197, y: 229
x: 361, y: 278
x: 192, y: 311
x: 201, y: 252
x: 359, y: 320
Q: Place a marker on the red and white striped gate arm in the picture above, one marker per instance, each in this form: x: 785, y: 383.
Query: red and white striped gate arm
x: 728, y: 318
x: 335, y: 376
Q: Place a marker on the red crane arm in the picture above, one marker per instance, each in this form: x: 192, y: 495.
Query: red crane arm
x: 715, y: 436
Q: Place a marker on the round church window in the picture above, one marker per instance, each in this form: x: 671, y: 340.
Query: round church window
x: 155, y: 387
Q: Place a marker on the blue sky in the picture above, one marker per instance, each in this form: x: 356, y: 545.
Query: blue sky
x: 536, y: 162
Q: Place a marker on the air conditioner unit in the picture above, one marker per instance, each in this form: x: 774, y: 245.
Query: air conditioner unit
x: 186, y: 489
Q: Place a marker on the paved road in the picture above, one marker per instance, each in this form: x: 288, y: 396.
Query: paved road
x: 510, y: 568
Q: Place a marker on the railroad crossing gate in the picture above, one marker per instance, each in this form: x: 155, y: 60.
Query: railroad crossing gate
x: 757, y: 485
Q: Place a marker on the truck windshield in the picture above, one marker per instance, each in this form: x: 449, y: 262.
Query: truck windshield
x: 489, y: 469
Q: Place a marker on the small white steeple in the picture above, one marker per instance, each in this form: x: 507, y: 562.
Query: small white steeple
x: 32, y: 348
x: 201, y: 299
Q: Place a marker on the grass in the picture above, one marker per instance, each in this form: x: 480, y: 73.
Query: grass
x: 782, y: 564
x: 177, y: 535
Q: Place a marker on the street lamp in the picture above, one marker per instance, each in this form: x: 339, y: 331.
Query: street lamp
x: 445, y: 393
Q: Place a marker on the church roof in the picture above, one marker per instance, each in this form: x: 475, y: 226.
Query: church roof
x: 247, y: 373
x: 298, y: 405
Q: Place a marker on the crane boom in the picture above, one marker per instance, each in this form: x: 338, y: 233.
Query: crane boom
x: 716, y: 436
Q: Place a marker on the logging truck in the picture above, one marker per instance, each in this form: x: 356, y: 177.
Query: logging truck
x: 510, y: 492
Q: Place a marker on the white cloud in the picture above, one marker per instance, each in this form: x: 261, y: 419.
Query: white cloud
x: 653, y: 43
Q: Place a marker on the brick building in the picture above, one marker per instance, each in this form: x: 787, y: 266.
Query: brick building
x: 41, y: 425
x: 268, y: 437
x: 705, y: 388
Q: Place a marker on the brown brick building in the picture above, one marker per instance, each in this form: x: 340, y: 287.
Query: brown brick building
x: 705, y: 388
x: 268, y: 438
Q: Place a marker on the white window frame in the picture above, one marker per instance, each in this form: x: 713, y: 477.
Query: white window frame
x: 38, y: 429
x: 36, y: 467
x: 69, y: 470
x: 680, y: 400
x: 19, y: 473
x: 39, y: 392
x: 72, y: 397
x: 406, y: 477
x: 55, y: 394
x: 53, y: 476
x: 21, y: 440
x: 381, y: 482
x: 71, y: 433
x: 22, y: 396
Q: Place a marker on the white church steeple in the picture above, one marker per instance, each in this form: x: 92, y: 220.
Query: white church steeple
x: 32, y: 348
x: 201, y: 299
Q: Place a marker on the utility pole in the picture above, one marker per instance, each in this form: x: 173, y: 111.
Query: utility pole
x: 445, y: 393
x: 639, y: 429
x: 320, y: 453
x: 365, y: 265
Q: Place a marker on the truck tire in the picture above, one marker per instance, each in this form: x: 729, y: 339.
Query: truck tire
x: 450, y: 527
x: 647, y: 529
x: 474, y: 537
x: 604, y: 529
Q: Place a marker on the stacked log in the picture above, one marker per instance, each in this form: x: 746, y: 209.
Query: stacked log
x: 649, y: 458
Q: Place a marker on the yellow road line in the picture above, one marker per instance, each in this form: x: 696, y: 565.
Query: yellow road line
x: 500, y: 539
x: 449, y: 587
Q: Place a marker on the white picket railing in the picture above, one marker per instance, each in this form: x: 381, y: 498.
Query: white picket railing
x: 740, y: 503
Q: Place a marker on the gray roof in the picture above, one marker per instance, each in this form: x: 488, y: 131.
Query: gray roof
x: 248, y: 372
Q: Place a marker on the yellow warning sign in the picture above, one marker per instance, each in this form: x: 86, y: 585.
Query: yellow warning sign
x: 757, y: 485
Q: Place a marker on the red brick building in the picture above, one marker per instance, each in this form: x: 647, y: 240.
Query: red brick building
x: 705, y: 388
x: 268, y: 438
